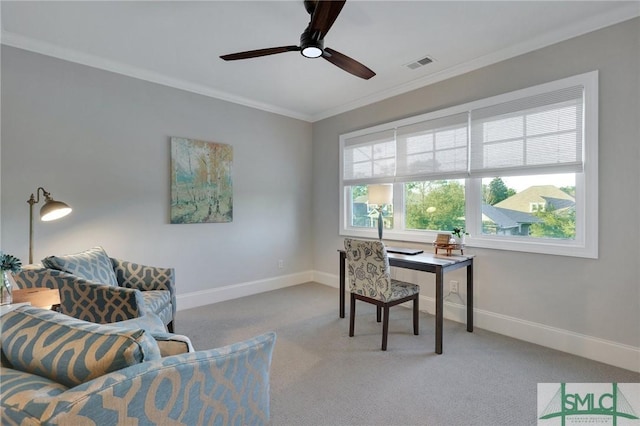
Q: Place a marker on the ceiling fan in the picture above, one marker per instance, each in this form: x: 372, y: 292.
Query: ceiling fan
x: 323, y: 15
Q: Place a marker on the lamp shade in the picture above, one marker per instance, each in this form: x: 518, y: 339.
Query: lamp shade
x: 52, y: 210
x: 380, y: 194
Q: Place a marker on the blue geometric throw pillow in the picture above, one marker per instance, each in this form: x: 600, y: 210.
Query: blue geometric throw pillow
x: 93, y: 265
x: 70, y: 351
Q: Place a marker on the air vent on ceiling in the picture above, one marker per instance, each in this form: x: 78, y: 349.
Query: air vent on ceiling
x: 419, y: 63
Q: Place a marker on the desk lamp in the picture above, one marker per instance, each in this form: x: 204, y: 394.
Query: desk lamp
x: 51, y: 210
x: 380, y: 195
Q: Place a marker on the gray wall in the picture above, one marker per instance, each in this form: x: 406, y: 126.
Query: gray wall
x: 101, y: 142
x: 597, y: 298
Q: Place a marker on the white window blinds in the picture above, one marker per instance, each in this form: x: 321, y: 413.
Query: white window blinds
x: 530, y: 135
x: 433, y: 148
x: 369, y: 158
x: 532, y: 131
x: 417, y: 151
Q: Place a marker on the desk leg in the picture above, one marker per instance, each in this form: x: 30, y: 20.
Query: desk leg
x: 470, y: 297
x: 439, y: 308
x: 343, y: 258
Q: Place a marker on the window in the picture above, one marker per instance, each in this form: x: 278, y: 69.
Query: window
x: 536, y: 207
x: 517, y: 171
x: 541, y: 206
x: 434, y: 205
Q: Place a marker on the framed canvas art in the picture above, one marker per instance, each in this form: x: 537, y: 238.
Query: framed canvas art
x: 201, y: 184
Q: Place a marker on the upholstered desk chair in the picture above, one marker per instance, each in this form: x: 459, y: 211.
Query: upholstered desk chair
x: 370, y: 281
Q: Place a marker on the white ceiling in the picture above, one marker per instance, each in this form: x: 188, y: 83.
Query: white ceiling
x: 178, y: 43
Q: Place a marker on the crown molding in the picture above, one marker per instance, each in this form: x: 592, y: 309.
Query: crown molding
x: 629, y: 11
x: 71, y: 55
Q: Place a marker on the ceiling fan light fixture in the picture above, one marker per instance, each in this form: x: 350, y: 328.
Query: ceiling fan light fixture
x: 323, y: 15
x: 311, y: 52
x: 309, y: 47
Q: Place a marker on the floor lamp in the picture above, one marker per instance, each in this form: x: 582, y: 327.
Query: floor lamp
x: 51, y: 210
x: 380, y: 195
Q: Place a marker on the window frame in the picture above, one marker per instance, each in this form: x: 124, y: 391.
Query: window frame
x: 585, y: 243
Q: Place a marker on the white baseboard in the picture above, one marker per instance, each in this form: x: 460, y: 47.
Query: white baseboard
x: 608, y: 352
x: 327, y: 279
x: 235, y: 291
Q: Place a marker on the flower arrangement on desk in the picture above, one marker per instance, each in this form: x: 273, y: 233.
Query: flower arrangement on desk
x: 9, y: 264
x: 459, y: 234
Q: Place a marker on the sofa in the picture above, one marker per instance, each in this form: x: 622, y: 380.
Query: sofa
x: 97, y: 288
x: 58, y: 370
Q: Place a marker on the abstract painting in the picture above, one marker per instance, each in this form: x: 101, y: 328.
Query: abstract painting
x: 201, y: 185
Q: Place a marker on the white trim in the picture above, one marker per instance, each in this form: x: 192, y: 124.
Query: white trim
x: 586, y: 241
x: 594, y: 348
x: 234, y: 291
x: 327, y: 279
x: 606, y: 351
x: 544, y: 40
x: 71, y: 55
x: 595, y: 23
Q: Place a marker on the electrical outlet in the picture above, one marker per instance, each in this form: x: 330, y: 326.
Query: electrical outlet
x: 453, y: 286
x: 280, y: 263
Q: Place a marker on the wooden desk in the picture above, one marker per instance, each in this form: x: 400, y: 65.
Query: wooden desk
x: 426, y: 262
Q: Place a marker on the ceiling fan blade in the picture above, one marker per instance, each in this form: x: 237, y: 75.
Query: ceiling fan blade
x: 348, y: 64
x: 259, y: 52
x: 323, y: 17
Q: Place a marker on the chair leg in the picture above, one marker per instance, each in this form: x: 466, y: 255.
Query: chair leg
x: 385, y: 327
x: 378, y: 313
x: 415, y: 316
x: 352, y: 315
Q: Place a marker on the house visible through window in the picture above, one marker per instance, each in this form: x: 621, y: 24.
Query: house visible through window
x: 536, y: 207
x: 517, y: 171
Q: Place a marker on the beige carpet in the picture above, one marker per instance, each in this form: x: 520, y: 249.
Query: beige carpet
x: 321, y: 376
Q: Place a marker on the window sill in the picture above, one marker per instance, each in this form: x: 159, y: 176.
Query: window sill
x: 556, y: 248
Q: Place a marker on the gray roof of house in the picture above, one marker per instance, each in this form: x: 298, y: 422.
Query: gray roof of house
x: 506, y: 218
x: 559, y: 203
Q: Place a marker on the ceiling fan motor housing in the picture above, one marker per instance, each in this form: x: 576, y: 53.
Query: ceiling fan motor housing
x: 323, y: 15
x: 309, y: 46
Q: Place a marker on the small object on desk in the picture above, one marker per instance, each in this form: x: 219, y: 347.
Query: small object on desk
x: 39, y: 297
x: 442, y: 239
x: 442, y: 242
x: 449, y: 248
x: 404, y: 250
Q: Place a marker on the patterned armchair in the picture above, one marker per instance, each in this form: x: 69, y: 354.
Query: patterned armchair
x: 58, y: 370
x: 96, y: 288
